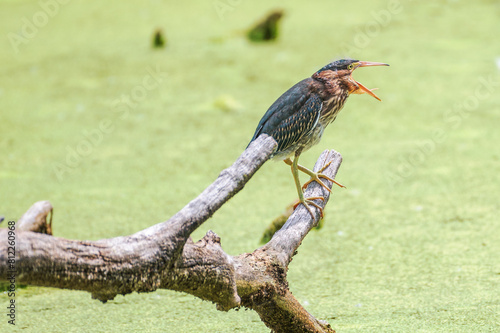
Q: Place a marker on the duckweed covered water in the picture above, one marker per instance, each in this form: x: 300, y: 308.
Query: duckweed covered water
x: 119, y: 136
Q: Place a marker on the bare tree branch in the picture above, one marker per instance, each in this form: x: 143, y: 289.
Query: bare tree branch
x: 123, y: 265
x: 288, y: 238
x: 163, y: 256
x: 35, y: 218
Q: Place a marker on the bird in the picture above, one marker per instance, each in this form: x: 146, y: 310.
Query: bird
x: 298, y: 118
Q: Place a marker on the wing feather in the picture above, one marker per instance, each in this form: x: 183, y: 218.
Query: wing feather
x: 292, y: 116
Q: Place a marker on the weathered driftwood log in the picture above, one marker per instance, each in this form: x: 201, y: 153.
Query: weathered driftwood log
x: 164, y: 256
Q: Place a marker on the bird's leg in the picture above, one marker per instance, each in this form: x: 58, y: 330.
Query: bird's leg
x: 305, y: 201
x: 314, y: 175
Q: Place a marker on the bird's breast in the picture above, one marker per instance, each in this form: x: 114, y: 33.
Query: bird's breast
x: 331, y: 108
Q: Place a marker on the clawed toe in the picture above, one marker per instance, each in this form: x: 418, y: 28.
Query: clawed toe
x: 316, y: 178
x: 307, y: 202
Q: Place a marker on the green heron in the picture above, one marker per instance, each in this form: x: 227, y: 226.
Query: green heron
x: 298, y: 118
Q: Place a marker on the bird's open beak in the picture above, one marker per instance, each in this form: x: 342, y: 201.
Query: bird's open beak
x: 362, y: 89
x: 369, y: 63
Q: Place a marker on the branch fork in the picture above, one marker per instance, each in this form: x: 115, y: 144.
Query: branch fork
x: 164, y: 255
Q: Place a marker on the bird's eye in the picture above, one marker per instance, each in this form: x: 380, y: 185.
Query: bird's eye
x: 351, y: 66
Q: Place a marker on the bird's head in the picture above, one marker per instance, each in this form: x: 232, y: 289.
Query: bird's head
x: 341, y: 70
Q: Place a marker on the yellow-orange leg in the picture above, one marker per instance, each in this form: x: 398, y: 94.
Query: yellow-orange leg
x: 309, y: 201
x: 305, y: 201
x: 315, y: 176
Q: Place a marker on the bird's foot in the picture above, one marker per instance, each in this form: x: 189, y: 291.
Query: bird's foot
x: 315, y: 177
x: 309, y: 201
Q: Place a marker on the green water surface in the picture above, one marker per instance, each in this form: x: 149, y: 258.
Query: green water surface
x: 119, y: 136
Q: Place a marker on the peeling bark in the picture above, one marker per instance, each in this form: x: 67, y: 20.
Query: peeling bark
x: 164, y: 256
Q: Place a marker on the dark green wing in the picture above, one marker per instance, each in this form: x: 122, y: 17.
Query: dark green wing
x: 292, y: 116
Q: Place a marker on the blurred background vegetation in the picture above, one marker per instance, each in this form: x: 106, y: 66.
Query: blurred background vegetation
x: 120, y: 135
